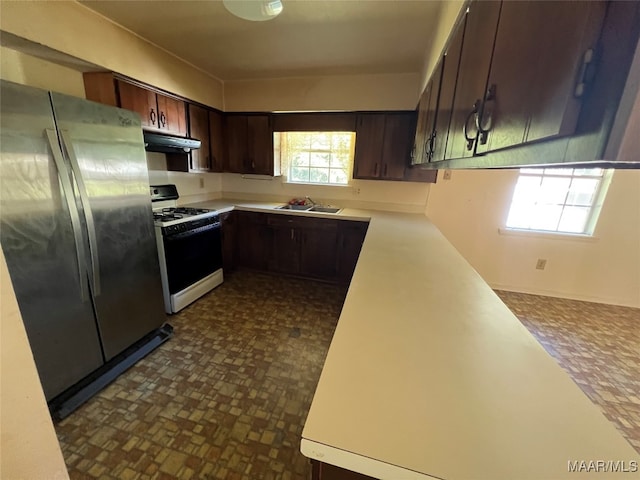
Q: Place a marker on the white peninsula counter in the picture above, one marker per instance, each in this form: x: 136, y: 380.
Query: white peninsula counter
x: 430, y: 375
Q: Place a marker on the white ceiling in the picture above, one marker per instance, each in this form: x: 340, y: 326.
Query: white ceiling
x: 310, y: 37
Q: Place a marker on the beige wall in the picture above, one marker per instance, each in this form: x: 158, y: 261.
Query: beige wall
x: 371, y: 194
x: 471, y: 207
x: 73, y: 29
x: 448, y: 14
x: 27, y: 70
x: 28, y: 441
x: 345, y: 92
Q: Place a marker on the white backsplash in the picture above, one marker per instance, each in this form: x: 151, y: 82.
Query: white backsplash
x: 370, y: 194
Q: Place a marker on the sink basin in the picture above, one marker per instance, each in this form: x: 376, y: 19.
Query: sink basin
x: 318, y: 208
x: 295, y: 207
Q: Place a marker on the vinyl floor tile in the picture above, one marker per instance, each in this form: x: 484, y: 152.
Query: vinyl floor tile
x: 225, y: 398
x: 597, y: 345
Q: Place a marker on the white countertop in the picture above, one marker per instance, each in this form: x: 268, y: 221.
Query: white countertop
x: 430, y: 375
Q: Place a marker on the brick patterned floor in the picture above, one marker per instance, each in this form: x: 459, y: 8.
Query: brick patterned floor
x: 225, y: 398
x: 597, y: 345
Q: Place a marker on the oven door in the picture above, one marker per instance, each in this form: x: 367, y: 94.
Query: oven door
x: 192, y: 255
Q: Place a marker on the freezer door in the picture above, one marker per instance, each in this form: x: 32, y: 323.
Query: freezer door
x: 42, y: 242
x: 106, y: 151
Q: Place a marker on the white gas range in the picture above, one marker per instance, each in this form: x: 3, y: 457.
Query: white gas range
x: 189, y: 248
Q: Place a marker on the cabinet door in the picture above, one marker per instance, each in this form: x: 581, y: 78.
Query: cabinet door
x: 427, y: 112
x: 450, y: 64
x: 368, y: 153
x: 418, y: 151
x: 350, y: 238
x: 253, y: 240
x: 538, y: 52
x: 259, y: 145
x: 285, y: 250
x: 228, y: 221
x: 199, y: 129
x: 480, y: 30
x: 318, y: 252
x: 216, y: 139
x: 141, y: 101
x: 396, y: 146
x: 235, y: 128
x: 172, y: 115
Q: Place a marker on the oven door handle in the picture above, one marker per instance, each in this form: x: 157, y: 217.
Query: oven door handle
x: 192, y: 232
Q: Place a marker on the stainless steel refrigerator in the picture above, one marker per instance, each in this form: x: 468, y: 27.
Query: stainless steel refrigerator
x: 77, y: 232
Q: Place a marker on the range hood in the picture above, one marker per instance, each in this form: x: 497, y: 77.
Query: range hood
x: 157, y: 142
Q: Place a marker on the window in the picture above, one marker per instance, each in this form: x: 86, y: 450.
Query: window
x: 316, y: 157
x: 564, y: 200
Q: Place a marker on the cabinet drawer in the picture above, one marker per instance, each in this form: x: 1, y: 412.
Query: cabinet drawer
x: 284, y: 220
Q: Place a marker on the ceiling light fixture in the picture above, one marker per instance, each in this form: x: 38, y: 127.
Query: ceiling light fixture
x: 254, y: 10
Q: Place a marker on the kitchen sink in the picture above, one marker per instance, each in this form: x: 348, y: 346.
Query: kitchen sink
x: 295, y: 207
x: 318, y: 208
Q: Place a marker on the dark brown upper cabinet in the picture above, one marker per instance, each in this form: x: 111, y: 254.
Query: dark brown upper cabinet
x: 383, y: 147
x: 548, y: 70
x: 249, y: 141
x: 216, y: 141
x: 532, y: 82
x: 157, y: 111
x: 479, y: 33
x: 450, y: 63
x: 426, y: 132
x: 200, y: 159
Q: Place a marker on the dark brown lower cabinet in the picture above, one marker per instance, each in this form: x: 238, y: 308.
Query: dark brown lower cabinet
x: 324, y: 471
x: 350, y: 238
x: 320, y: 248
x: 318, y: 252
x: 228, y: 223
x: 253, y: 239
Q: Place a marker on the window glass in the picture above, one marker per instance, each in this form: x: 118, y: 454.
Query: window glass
x: 558, y: 199
x: 316, y: 157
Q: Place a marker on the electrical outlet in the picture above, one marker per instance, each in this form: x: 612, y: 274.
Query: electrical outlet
x: 541, y: 263
x: 446, y: 175
x: 201, y: 182
x: 356, y: 191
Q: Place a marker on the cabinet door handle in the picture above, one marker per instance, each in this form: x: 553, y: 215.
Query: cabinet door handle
x: 163, y: 119
x: 152, y: 116
x: 471, y: 140
x: 581, y: 86
x: 253, y: 164
x: 480, y: 118
x: 190, y: 162
x: 432, y: 145
x: 292, y: 234
x: 208, y: 162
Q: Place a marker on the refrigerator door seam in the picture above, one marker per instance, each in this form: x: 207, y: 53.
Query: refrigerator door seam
x: 84, y: 199
x: 67, y: 189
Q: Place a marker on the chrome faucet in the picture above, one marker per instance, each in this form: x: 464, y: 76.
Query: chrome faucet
x: 312, y: 202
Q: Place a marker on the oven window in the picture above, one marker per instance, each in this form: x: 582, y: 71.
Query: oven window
x: 190, y: 258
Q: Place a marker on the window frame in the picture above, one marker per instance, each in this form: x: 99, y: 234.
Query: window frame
x: 279, y: 142
x: 604, y: 180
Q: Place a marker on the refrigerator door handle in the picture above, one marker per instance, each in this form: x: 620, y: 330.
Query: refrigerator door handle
x: 88, y: 214
x: 67, y: 189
